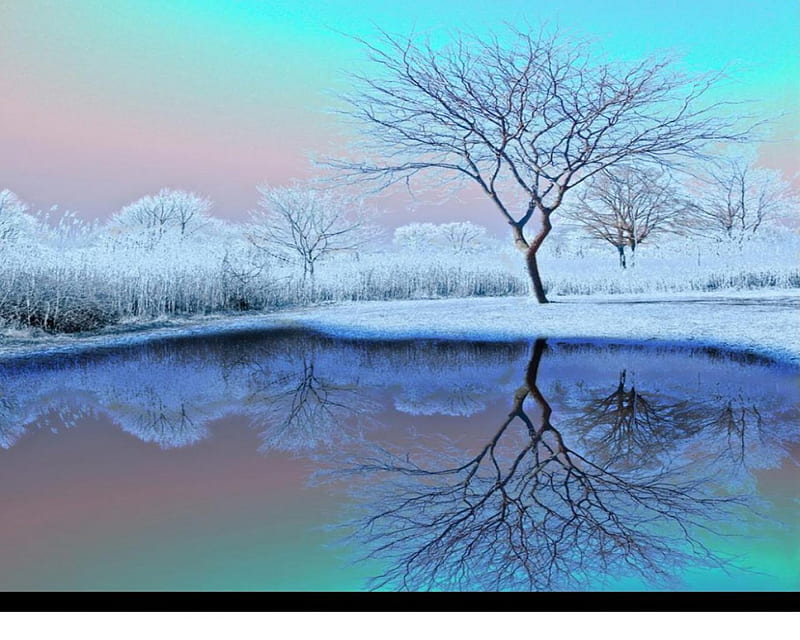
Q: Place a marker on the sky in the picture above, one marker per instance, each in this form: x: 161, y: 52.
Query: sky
x: 103, y: 102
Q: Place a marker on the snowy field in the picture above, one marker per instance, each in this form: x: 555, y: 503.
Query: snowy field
x: 763, y: 322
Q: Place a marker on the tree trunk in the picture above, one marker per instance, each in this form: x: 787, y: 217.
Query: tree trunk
x: 543, y: 218
x: 621, y: 250
x: 533, y: 272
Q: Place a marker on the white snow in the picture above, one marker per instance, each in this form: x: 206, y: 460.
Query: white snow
x: 762, y: 322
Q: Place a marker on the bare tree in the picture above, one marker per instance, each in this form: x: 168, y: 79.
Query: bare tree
x: 303, y: 225
x: 463, y: 237
x: 735, y: 198
x: 625, y: 206
x: 459, y: 237
x: 525, y: 116
x: 169, y: 211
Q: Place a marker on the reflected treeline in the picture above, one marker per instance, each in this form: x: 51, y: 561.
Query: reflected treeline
x: 632, y: 428
x: 303, y: 391
x: 300, y: 391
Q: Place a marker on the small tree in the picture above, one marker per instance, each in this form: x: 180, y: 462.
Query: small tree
x: 526, y: 117
x: 625, y: 206
x: 458, y: 237
x: 169, y: 212
x: 303, y: 225
x: 463, y: 237
x: 735, y: 198
x: 416, y: 236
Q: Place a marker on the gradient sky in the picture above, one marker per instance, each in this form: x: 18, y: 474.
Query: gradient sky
x: 103, y: 101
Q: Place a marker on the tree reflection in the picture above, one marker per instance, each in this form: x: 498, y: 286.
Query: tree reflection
x: 631, y: 428
x: 737, y: 421
x: 628, y: 427
x: 11, y: 426
x: 299, y: 408
x: 168, y: 422
x: 528, y: 511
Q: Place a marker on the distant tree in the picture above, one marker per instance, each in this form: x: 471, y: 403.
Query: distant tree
x: 15, y: 221
x: 524, y: 116
x: 463, y: 237
x: 416, y: 235
x: 169, y: 212
x: 625, y: 206
x: 735, y: 198
x: 303, y: 225
x: 458, y: 237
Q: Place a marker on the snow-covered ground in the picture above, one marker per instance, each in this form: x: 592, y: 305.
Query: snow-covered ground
x: 762, y: 322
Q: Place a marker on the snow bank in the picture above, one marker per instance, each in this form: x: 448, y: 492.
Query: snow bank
x: 764, y: 323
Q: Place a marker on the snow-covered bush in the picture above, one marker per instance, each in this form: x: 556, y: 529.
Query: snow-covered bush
x: 167, y: 217
x: 16, y: 224
x: 453, y: 237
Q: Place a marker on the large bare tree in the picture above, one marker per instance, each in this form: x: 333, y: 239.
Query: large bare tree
x: 526, y: 116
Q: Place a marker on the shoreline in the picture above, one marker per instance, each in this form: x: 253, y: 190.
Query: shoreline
x: 763, y: 323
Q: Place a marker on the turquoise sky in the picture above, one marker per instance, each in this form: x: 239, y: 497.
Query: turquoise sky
x: 106, y: 100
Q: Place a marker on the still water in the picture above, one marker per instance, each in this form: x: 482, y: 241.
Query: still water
x: 289, y: 461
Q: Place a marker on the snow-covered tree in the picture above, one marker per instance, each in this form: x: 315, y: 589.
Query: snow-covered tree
x: 15, y: 221
x: 524, y: 116
x: 177, y: 214
x: 303, y: 225
x: 416, y: 236
x: 463, y: 237
x: 735, y: 198
x: 457, y: 237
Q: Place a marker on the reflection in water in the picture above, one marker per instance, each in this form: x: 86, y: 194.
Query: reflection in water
x: 628, y: 426
x: 303, y: 409
x: 528, y: 511
x: 300, y: 391
x: 610, y: 463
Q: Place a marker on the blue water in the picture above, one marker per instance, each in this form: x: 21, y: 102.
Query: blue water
x: 288, y: 461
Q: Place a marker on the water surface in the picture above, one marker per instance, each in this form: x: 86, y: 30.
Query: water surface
x: 289, y: 461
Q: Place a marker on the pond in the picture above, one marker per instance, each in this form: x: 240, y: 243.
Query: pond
x: 292, y: 461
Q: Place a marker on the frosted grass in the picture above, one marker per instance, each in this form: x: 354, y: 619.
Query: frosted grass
x: 86, y: 286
